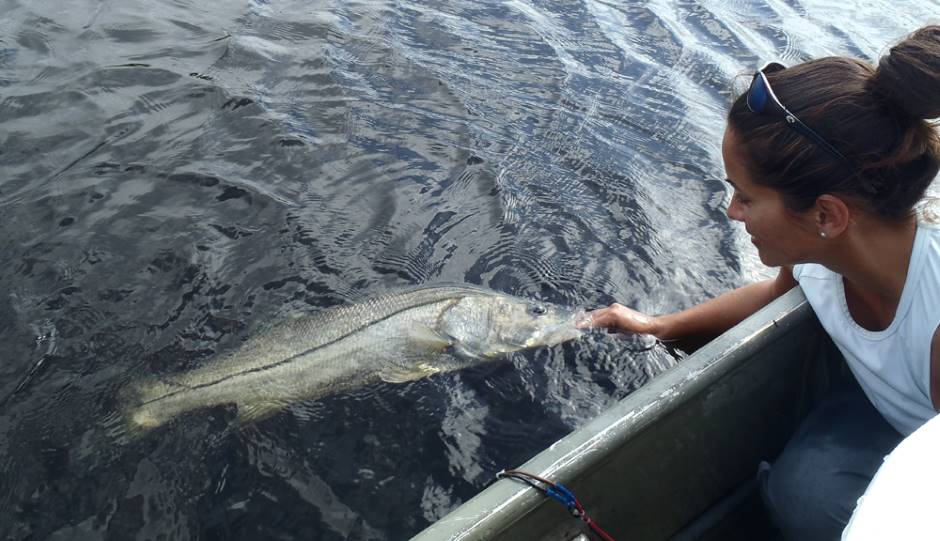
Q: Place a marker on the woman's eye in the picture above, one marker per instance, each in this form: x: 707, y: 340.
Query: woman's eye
x: 741, y: 199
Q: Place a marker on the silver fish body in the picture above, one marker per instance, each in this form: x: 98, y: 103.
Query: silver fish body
x: 395, y: 337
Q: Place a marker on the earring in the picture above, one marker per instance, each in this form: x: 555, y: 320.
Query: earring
x: 822, y: 234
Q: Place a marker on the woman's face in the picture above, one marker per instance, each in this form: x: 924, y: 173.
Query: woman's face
x: 781, y: 236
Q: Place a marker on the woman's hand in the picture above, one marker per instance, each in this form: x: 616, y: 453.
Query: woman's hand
x: 619, y: 318
x: 695, y: 326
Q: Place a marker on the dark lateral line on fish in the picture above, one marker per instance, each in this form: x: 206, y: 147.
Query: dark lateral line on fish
x: 293, y: 357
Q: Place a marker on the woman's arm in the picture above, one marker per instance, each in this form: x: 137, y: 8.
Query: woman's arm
x: 701, y: 322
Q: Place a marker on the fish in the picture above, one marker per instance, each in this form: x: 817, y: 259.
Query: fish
x: 395, y: 337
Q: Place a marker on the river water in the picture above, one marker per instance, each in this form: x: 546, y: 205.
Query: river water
x: 176, y: 175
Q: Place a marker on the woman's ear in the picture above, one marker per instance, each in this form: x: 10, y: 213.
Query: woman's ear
x: 832, y: 215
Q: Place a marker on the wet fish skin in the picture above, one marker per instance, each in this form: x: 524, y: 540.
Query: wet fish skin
x: 395, y: 337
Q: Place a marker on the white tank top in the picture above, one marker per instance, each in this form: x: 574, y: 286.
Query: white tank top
x: 893, y: 365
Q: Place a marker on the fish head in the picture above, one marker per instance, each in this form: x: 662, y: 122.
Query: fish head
x: 499, y: 324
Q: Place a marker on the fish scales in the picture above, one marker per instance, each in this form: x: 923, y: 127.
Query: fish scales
x: 396, y: 337
x: 302, y: 335
x: 329, y: 366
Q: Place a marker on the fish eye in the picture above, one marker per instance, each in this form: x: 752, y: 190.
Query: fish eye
x: 537, y: 309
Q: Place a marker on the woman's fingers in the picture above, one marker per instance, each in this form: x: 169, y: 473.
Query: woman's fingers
x: 617, y: 317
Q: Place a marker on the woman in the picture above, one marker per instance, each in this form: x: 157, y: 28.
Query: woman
x: 827, y: 160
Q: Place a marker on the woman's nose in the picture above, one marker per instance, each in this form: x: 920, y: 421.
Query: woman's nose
x: 734, y: 210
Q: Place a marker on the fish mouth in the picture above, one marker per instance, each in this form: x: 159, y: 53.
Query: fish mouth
x: 568, y: 329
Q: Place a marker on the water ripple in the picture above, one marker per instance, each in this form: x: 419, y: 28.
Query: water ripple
x: 176, y: 176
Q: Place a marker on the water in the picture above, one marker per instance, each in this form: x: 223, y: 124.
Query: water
x: 176, y: 175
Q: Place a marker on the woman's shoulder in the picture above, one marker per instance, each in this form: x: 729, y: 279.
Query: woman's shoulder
x: 928, y: 213
x: 812, y: 271
x: 928, y: 232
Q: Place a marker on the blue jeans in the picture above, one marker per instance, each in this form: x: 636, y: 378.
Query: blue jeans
x: 813, y: 486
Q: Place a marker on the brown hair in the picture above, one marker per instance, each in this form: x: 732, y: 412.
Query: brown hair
x: 876, y: 117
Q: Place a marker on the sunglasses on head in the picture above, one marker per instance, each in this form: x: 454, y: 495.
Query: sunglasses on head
x: 762, y: 100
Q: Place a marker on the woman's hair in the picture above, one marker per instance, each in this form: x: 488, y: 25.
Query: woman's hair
x: 878, y: 118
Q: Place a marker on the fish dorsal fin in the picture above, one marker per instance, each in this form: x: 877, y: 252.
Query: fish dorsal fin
x: 426, y: 338
x: 401, y: 374
x: 255, y: 411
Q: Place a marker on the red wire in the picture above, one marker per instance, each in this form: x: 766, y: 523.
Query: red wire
x: 597, y: 529
x: 527, y: 474
x: 584, y: 517
x: 591, y: 524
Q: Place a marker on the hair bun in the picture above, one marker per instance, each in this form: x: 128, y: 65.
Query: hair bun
x: 908, y: 77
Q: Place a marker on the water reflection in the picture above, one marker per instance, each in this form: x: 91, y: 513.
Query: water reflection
x: 176, y: 176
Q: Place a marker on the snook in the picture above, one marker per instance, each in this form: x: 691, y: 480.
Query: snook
x: 396, y: 338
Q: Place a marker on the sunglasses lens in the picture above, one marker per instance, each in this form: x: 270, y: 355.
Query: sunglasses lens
x: 757, y: 94
x: 761, y: 100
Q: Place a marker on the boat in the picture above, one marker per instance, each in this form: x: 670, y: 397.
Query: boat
x: 677, y: 458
